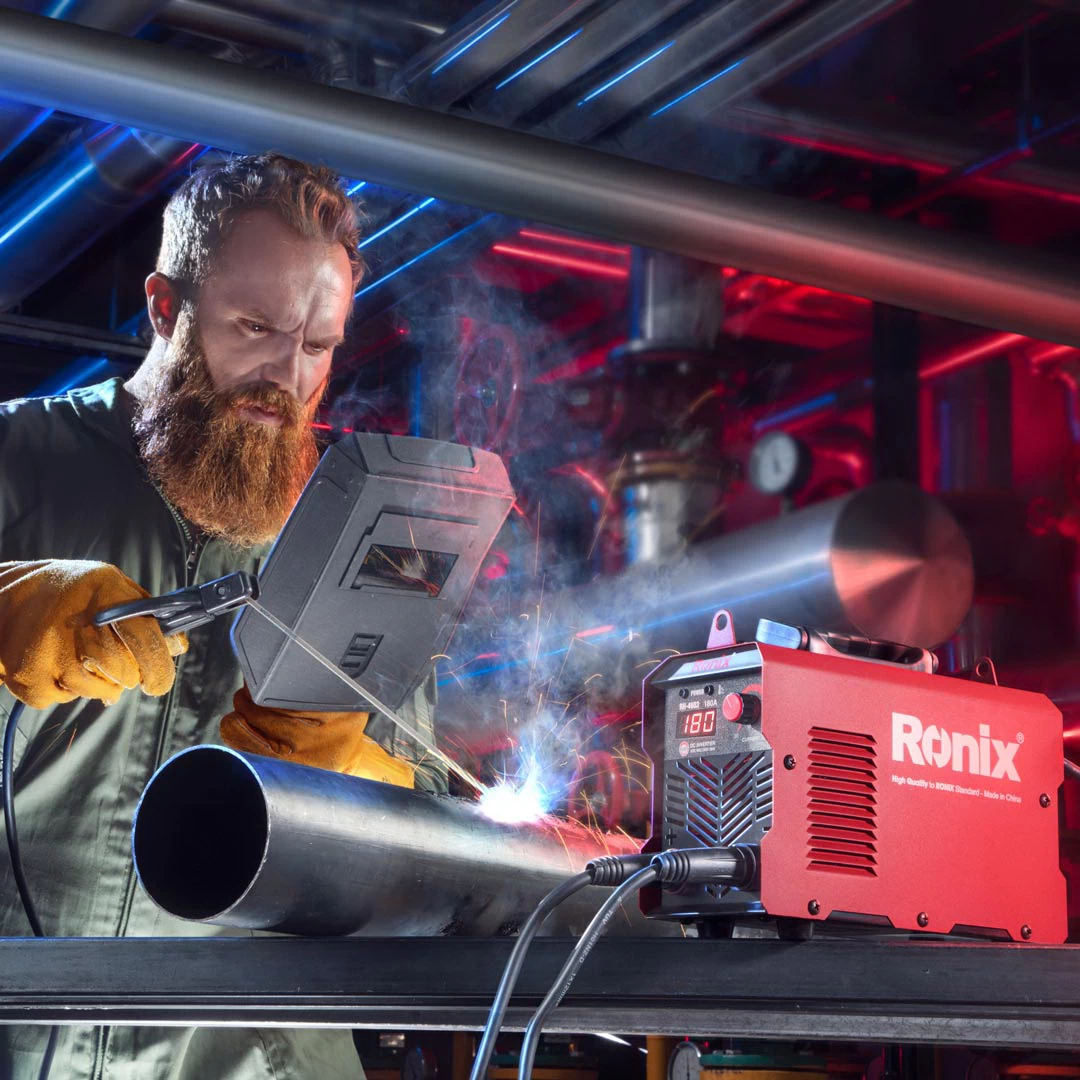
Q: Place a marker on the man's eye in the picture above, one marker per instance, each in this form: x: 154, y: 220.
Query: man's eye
x: 253, y: 327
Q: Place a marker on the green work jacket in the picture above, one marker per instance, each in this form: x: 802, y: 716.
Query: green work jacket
x: 73, y: 487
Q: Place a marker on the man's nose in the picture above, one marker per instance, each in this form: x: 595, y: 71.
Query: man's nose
x: 282, y: 369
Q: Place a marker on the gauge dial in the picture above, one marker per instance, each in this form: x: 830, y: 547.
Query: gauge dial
x: 685, y: 1062
x: 779, y: 464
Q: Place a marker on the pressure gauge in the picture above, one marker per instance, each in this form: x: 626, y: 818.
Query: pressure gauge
x: 685, y: 1062
x: 779, y: 464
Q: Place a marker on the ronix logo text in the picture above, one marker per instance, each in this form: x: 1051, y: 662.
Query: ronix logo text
x: 941, y: 749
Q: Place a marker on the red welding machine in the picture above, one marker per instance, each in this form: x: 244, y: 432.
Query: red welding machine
x: 873, y: 789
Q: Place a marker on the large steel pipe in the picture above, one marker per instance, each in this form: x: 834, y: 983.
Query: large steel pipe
x: 154, y: 88
x: 238, y: 840
x: 887, y: 561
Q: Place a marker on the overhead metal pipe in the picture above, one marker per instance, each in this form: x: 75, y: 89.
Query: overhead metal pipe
x: 118, y: 16
x: 55, y: 214
x: 201, y: 99
x: 238, y: 840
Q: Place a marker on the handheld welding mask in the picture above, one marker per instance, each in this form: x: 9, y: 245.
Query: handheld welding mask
x: 372, y: 569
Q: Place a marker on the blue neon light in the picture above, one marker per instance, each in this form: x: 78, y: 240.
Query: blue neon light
x: 468, y: 44
x: 423, y: 255
x: 356, y: 187
x: 629, y: 71
x: 77, y: 374
x: 47, y: 201
x: 700, y: 86
x: 397, y: 221
x: 543, y: 56
x: 59, y: 9
x: 27, y: 132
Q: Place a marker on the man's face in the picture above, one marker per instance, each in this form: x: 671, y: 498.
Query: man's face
x: 224, y: 422
x: 273, y: 310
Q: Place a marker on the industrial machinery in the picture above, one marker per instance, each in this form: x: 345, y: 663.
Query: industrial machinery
x: 871, y: 788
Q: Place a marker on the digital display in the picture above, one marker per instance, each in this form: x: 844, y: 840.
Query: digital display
x: 697, y: 723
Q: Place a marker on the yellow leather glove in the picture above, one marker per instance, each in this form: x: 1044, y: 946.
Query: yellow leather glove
x: 326, y: 740
x: 50, y: 650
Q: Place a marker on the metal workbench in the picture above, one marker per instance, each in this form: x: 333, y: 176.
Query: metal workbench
x: 881, y: 991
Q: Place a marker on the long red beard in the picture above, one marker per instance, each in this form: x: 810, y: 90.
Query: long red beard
x: 234, y: 479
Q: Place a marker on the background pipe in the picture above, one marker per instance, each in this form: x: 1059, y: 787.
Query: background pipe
x: 887, y: 561
x: 186, y: 96
x: 239, y: 840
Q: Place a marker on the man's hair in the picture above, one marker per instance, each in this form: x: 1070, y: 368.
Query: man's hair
x: 308, y: 198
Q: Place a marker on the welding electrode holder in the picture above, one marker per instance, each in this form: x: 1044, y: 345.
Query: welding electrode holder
x: 183, y: 610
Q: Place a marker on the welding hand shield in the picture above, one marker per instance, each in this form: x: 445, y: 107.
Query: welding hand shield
x: 50, y: 650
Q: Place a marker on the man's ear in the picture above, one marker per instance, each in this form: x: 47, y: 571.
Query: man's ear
x: 162, y: 304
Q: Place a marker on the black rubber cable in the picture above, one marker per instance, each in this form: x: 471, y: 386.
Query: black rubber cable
x: 573, y: 964
x: 8, y: 780
x: 513, y: 969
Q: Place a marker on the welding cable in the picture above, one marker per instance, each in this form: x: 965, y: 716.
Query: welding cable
x: 7, y: 778
x: 1072, y: 770
x: 573, y: 964
x: 608, y: 870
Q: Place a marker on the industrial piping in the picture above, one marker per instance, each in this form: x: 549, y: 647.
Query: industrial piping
x: 239, y: 840
x: 154, y: 88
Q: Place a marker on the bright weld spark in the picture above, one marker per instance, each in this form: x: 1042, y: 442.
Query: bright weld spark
x: 503, y: 802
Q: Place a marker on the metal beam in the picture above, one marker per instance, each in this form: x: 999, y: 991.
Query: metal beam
x: 566, y: 60
x: 855, y: 990
x: 67, y: 338
x: 469, y: 55
x: 663, y: 65
x: 777, y: 57
x: 199, y: 98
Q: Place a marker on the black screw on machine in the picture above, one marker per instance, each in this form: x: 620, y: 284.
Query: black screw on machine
x: 813, y: 907
x: 923, y: 919
x: 789, y: 761
x: 1025, y: 931
x: 1044, y: 800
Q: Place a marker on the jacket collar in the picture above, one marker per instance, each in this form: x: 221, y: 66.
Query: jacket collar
x: 109, y: 409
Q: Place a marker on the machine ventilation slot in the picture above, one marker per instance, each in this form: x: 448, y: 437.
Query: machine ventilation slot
x: 675, y: 801
x: 702, y: 800
x: 727, y: 805
x: 746, y: 796
x: 842, y: 805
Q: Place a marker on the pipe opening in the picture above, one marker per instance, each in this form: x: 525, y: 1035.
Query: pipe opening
x: 200, y: 833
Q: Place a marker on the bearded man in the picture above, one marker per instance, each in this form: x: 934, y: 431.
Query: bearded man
x: 119, y: 491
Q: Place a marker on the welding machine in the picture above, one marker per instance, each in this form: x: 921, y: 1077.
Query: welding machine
x: 870, y: 788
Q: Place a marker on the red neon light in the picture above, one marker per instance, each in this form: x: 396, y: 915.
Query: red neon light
x: 580, y: 364
x: 594, y: 631
x: 969, y: 354
x: 573, y: 241
x: 327, y: 427
x: 566, y: 262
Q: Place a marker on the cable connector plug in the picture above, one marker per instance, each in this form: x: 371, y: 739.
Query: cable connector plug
x: 612, y: 870
x: 737, y: 866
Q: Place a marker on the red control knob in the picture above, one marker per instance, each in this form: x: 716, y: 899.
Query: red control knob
x: 733, y: 707
x: 741, y: 708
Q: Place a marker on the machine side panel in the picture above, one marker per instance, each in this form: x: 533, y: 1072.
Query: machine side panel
x: 913, y: 797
